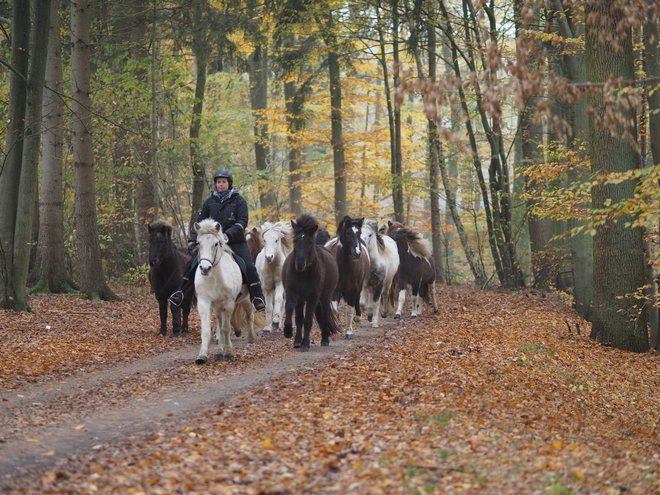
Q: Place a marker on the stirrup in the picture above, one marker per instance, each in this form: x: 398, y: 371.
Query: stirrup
x: 176, y: 298
x: 259, y: 304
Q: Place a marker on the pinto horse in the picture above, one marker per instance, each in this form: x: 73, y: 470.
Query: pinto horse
x: 220, y: 288
x: 310, y: 276
x: 416, y: 268
x: 278, y: 243
x: 167, y: 264
x: 383, y: 280
x: 352, y: 257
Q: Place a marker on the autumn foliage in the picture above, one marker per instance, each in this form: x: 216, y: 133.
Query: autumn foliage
x: 497, y: 393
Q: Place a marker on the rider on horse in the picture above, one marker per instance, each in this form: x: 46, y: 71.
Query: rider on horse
x: 227, y: 207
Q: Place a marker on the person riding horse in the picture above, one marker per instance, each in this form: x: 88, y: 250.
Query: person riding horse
x: 227, y: 207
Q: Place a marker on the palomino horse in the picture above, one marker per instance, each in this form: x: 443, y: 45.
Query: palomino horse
x: 310, y: 276
x: 383, y: 280
x: 352, y: 257
x: 416, y: 268
x: 166, y: 274
x: 278, y: 243
x: 219, y: 286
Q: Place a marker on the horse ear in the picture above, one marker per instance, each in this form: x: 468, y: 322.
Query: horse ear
x: 361, y: 222
x: 150, y: 229
x: 196, y: 227
x: 293, y: 224
x: 217, y: 226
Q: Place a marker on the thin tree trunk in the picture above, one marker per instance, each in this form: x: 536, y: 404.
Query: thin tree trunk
x: 200, y: 50
x: 27, y: 187
x: 90, y: 267
x: 50, y: 274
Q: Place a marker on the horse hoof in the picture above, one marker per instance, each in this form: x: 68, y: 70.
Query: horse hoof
x: 220, y: 357
x: 266, y: 331
x: 397, y: 316
x: 370, y: 317
x: 324, y: 343
x: 276, y: 326
x: 201, y: 359
x: 305, y: 348
x: 237, y: 332
x: 348, y: 336
x: 374, y: 325
x: 184, y: 332
x: 296, y: 345
x: 176, y: 334
x: 413, y: 316
x: 357, y: 319
x: 288, y: 332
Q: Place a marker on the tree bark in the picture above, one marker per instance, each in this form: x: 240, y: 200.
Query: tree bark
x: 50, y: 274
x: 10, y: 173
x: 90, y: 267
x: 618, y: 249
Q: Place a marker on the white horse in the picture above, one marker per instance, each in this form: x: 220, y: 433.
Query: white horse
x: 381, y: 282
x: 219, y: 286
x: 278, y: 243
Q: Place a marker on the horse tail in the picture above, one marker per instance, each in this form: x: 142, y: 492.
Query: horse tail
x: 392, y: 294
x: 327, y: 318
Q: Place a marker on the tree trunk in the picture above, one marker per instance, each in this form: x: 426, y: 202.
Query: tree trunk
x: 294, y: 96
x: 92, y: 280
x: 618, y: 249
x: 397, y: 159
x: 258, y: 64
x: 200, y: 50
x: 50, y: 274
x: 10, y: 173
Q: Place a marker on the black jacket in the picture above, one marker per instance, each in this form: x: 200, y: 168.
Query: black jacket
x: 232, y: 214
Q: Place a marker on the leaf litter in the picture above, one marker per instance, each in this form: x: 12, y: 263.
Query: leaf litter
x: 497, y: 393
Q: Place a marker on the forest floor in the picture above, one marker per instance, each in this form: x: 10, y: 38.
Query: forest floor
x: 496, y: 393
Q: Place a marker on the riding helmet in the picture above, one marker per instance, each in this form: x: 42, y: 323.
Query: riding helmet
x: 226, y: 174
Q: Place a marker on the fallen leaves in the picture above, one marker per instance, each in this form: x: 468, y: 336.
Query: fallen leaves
x: 491, y: 395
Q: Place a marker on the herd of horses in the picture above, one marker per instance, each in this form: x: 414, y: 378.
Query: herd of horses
x: 304, y: 275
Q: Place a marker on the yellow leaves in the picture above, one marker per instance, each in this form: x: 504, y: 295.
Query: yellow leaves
x: 328, y: 415
x: 267, y: 444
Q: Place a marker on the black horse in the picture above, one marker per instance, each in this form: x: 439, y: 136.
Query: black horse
x: 309, y: 276
x: 167, y: 263
x: 352, y: 257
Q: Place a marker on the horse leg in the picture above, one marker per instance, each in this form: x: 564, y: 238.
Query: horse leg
x: 278, y: 304
x: 176, y: 320
x: 402, y: 299
x: 288, y: 316
x: 186, y: 314
x: 226, y: 350
x: 309, y: 319
x: 416, y: 301
x: 375, y: 314
x: 268, y: 295
x: 300, y: 313
x: 162, y: 311
x: 348, y: 335
x: 204, y: 309
x: 249, y: 315
x: 433, y: 300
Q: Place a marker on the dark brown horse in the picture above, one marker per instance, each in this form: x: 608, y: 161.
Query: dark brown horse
x: 352, y: 257
x: 254, y: 241
x: 416, y: 268
x: 167, y: 263
x: 310, y: 276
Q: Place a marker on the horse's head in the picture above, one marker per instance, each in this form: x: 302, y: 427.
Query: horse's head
x: 273, y: 236
x: 369, y: 233
x: 393, y: 227
x: 304, y: 245
x: 349, y: 233
x: 211, y: 244
x: 160, y: 238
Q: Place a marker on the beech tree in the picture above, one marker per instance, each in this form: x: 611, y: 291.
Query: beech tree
x: 90, y: 267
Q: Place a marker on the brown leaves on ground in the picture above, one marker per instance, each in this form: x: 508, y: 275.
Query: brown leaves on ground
x: 491, y: 395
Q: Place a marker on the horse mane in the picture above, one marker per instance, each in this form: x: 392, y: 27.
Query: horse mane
x: 284, y: 230
x: 308, y: 223
x: 418, y: 246
x: 207, y: 226
x: 161, y: 224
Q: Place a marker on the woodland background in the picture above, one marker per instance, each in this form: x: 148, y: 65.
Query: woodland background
x: 522, y: 137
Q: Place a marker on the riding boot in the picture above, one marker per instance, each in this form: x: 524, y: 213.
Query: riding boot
x: 257, y: 297
x: 177, y: 297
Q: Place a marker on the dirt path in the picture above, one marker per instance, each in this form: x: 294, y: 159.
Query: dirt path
x: 45, y: 425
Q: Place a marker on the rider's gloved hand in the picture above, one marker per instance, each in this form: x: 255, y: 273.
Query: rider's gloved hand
x: 191, y: 246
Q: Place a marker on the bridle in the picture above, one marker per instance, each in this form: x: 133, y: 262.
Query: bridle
x: 214, y: 261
